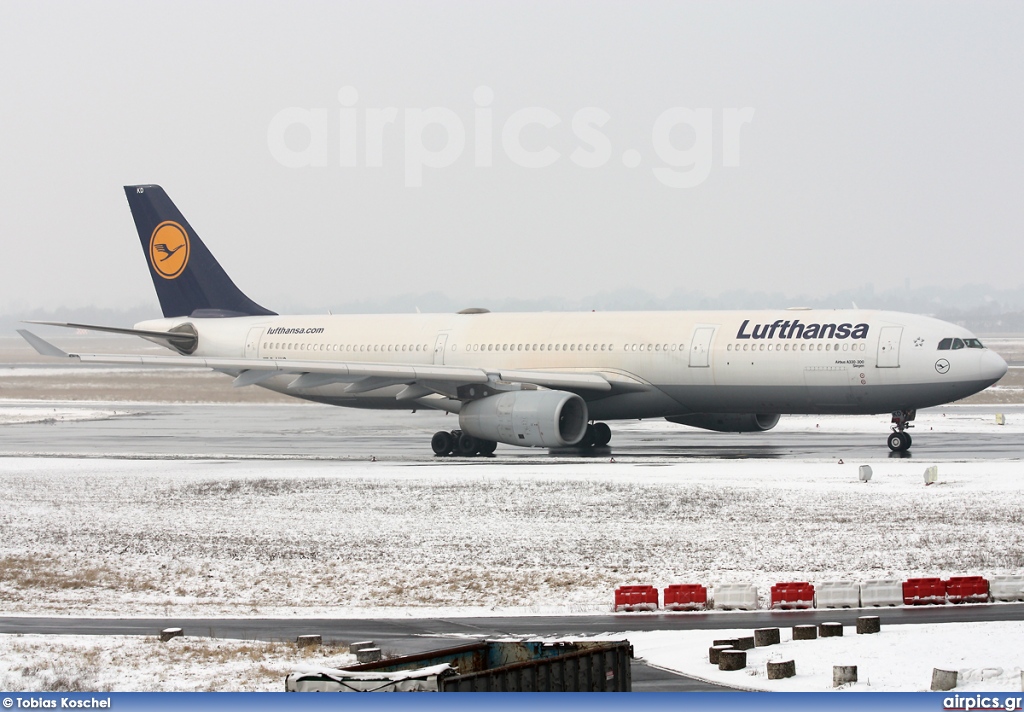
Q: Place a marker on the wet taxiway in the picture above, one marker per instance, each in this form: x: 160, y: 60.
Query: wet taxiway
x: 307, y: 431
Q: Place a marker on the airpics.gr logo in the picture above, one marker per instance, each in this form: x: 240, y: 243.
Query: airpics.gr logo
x: 169, y: 249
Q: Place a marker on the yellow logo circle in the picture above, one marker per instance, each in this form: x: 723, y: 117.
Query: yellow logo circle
x: 168, y: 249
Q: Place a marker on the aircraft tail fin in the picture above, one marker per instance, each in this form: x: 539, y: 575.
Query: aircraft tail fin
x: 188, y: 279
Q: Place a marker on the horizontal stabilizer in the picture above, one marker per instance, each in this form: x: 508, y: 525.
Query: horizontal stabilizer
x: 42, y: 346
x: 183, y: 340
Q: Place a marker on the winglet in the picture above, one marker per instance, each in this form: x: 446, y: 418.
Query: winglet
x: 43, y: 346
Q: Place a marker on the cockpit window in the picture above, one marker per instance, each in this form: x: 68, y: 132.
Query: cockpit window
x: 947, y: 344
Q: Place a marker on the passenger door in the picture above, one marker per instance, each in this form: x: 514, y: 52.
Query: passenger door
x: 700, y: 346
x: 252, y: 342
x: 439, y: 347
x: 889, y: 347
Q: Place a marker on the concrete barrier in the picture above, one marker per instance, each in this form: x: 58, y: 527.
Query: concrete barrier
x: 742, y: 596
x: 837, y: 594
x: 843, y: 675
x: 763, y: 637
x: 943, y: 680
x: 830, y: 630
x: 779, y: 670
x: 168, y: 633
x: 881, y: 592
x: 715, y: 651
x: 732, y: 660
x: 368, y: 655
x: 805, y: 632
x: 308, y: 641
x: 746, y: 643
x: 867, y: 625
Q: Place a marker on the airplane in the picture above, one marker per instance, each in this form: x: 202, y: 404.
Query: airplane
x: 547, y: 379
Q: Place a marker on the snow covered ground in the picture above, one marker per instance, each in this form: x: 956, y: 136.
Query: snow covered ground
x: 90, y: 663
x: 106, y: 537
x: 57, y: 413
x: 900, y: 658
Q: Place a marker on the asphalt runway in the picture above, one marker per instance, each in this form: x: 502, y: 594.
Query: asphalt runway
x: 315, y: 432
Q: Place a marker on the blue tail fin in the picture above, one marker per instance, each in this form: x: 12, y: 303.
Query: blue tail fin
x: 188, y: 279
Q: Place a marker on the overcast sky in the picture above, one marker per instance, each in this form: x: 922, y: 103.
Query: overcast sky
x: 801, y: 148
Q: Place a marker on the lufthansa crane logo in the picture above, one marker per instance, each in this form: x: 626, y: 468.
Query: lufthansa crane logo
x: 169, y: 249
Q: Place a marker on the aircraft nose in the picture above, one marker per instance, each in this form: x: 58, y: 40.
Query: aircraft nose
x: 993, y: 367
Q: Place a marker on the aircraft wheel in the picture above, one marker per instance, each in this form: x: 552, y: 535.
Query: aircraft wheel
x: 910, y: 441
x: 441, y: 443
x: 898, y: 442
x: 467, y: 445
x: 589, y: 437
x: 602, y: 434
x: 487, y: 447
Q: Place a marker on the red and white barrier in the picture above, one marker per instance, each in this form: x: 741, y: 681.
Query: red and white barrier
x: 686, y: 597
x: 742, y: 596
x: 924, y: 591
x: 636, y: 598
x: 967, y: 589
x: 1007, y: 588
x: 881, y: 592
x: 792, y: 594
x: 837, y: 594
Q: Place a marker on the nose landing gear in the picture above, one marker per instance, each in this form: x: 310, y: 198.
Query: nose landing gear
x: 900, y: 440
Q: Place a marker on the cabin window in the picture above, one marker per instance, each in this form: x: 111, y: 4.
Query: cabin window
x: 973, y: 344
x: 957, y: 344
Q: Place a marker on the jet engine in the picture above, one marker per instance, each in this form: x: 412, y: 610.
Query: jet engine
x: 728, y: 422
x: 530, y: 418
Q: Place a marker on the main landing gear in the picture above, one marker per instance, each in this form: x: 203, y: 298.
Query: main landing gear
x: 597, y: 435
x: 899, y: 439
x: 456, y: 442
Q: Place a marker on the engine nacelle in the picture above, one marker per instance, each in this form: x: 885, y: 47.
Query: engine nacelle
x: 728, y: 422
x: 529, y: 418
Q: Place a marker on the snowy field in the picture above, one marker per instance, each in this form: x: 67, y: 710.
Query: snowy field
x: 533, y: 535
x: 240, y: 538
x: 109, y: 663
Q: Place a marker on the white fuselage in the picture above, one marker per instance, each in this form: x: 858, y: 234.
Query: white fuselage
x: 670, y: 363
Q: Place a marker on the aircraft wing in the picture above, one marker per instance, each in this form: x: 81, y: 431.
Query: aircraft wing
x: 361, y: 377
